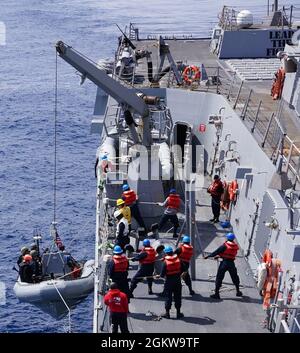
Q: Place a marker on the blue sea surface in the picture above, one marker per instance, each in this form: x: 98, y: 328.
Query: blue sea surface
x: 27, y: 76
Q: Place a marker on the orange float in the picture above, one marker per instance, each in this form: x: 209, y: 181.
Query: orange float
x: 191, y: 74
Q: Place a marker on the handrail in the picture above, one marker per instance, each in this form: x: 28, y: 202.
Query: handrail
x: 266, y: 130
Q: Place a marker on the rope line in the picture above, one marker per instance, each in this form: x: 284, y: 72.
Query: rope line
x: 55, y: 138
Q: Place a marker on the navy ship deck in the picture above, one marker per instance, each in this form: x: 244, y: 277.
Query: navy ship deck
x: 202, y: 314
x: 251, y: 99
x: 197, y: 52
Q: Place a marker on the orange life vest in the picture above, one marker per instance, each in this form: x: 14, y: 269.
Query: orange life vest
x: 225, y: 198
x: 76, y: 272
x: 173, y: 265
x: 216, y: 188
x: 121, y: 263
x: 233, y: 188
x: 231, y: 250
x: 173, y: 201
x: 186, y: 252
x: 129, y: 197
x: 270, y: 286
x: 151, y: 255
x: 277, y: 86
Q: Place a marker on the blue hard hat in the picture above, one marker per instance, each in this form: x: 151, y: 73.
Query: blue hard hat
x: 118, y: 249
x: 125, y: 187
x: 230, y: 236
x: 186, y: 239
x: 172, y: 191
x: 146, y: 242
x: 168, y: 249
x: 104, y: 158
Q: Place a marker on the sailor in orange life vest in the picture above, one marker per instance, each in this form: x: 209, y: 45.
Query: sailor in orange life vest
x: 185, y: 252
x: 227, y: 252
x: 117, y: 303
x: 173, y: 203
x: 216, y: 190
x: 118, y: 270
x: 130, y: 198
x: 172, y: 269
x: 147, y: 260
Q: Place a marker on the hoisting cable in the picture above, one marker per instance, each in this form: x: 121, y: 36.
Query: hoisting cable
x: 55, y: 137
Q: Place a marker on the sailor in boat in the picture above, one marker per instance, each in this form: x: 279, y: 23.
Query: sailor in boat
x: 227, y: 252
x: 172, y: 269
x: 118, y: 270
x: 147, y: 258
x: 185, y: 252
x: 36, y: 266
x: 216, y: 190
x: 122, y: 230
x: 26, y: 269
x: 74, y: 266
x: 131, y: 198
x: 117, y: 303
x: 24, y: 251
x: 172, y: 205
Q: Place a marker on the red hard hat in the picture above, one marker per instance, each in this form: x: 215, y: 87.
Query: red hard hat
x: 27, y: 258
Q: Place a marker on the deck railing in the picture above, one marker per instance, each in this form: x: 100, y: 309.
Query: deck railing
x: 263, y: 123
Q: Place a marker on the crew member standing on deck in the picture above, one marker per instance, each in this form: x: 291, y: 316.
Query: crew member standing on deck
x: 216, y: 190
x: 172, y: 206
x: 125, y: 211
x: 172, y: 269
x: 122, y: 230
x: 147, y: 260
x: 227, y: 252
x: 185, y: 252
x: 118, y: 270
x: 130, y: 198
x: 117, y: 303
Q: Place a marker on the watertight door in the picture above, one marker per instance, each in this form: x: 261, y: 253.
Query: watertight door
x: 263, y: 233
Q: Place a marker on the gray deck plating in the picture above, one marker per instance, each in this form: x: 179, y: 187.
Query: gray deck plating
x: 202, y: 314
x: 197, y: 51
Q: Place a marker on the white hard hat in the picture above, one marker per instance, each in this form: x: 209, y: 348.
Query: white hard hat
x: 117, y: 213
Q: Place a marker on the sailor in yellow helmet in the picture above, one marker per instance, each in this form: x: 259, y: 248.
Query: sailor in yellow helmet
x: 125, y: 211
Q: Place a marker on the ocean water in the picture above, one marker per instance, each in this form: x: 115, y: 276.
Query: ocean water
x: 27, y: 72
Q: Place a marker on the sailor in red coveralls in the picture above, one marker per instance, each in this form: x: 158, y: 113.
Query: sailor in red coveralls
x: 118, y: 306
x: 227, y: 252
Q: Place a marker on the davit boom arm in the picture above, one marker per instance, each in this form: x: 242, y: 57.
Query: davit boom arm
x: 123, y: 95
x: 112, y: 87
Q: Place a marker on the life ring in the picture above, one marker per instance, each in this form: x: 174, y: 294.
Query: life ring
x: 191, y: 74
x: 233, y: 189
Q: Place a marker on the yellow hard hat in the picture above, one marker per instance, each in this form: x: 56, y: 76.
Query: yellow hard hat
x: 120, y: 202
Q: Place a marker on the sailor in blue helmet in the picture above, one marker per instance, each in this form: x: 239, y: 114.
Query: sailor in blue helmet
x: 185, y: 252
x: 131, y: 199
x: 227, y: 252
x: 172, y: 205
x: 172, y: 269
x: 118, y: 270
x: 146, y: 258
